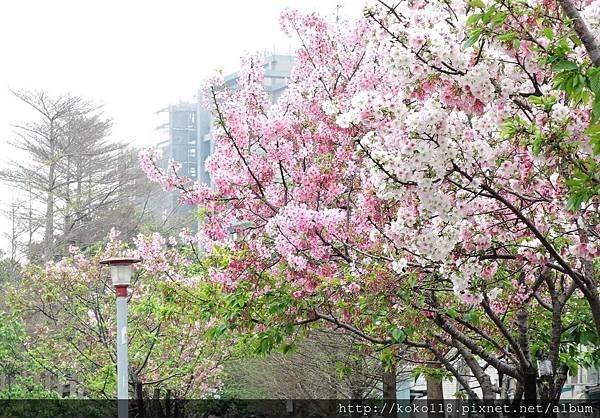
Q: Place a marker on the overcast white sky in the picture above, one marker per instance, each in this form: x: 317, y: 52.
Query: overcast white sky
x: 133, y: 56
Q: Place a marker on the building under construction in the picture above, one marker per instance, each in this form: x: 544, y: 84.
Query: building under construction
x: 189, y: 127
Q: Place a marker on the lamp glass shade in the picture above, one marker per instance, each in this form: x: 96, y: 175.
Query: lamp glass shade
x: 120, y: 274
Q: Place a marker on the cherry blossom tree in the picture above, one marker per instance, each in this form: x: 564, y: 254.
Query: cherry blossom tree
x: 69, y: 309
x: 423, y: 182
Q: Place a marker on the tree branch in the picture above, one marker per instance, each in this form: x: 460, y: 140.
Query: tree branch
x: 583, y: 32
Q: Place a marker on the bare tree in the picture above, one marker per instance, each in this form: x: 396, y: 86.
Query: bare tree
x: 42, y: 140
x: 326, y: 365
x: 76, y: 183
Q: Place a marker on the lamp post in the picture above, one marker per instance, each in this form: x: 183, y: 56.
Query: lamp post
x: 121, y: 269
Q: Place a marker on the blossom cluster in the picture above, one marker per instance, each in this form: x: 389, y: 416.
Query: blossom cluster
x: 388, y: 156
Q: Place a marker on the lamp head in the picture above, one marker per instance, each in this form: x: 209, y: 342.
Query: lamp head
x: 121, y: 269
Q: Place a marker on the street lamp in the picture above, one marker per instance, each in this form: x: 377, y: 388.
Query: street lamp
x: 121, y: 269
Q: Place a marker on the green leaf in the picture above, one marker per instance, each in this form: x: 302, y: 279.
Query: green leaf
x: 477, y: 3
x: 576, y: 199
x: 593, y: 75
x: 473, y: 38
x: 535, y: 100
x: 595, y: 145
x: 593, y: 130
x: 288, y: 348
x: 342, y: 369
x: 548, y: 33
x: 473, y: 19
x: 596, y: 110
x: 507, y: 37
x: 398, y: 336
x: 472, y: 317
x: 499, y: 18
x: 563, y: 65
x: 412, y: 280
x: 387, y: 357
x: 452, y: 312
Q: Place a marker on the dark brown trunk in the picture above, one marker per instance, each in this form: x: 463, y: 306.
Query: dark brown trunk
x: 356, y: 402
x: 157, y: 410
x: 389, y: 391
x: 594, y: 302
x: 139, y: 399
x: 435, y: 394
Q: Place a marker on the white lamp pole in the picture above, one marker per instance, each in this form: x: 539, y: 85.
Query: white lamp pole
x: 121, y: 269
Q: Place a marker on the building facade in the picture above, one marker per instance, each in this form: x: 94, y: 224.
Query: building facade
x: 188, y: 129
x: 277, y: 72
x: 180, y: 126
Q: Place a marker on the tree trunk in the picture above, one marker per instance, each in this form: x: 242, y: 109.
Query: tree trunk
x: 389, y: 391
x: 356, y: 391
x: 29, y: 219
x: 594, y: 300
x: 529, y: 370
x: 68, y: 205
x: 157, y: 410
x: 435, y: 394
x: 49, y: 230
x: 139, y: 398
x: 78, y: 191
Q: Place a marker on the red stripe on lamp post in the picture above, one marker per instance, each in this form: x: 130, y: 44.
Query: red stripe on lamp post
x: 121, y: 291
